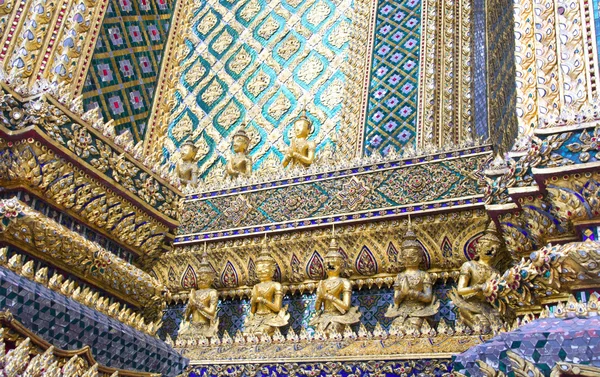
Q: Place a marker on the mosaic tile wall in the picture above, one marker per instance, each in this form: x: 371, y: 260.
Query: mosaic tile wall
x: 597, y: 23
x: 479, y: 70
x: 259, y: 63
x: 126, y: 62
x: 372, y: 303
x: 38, y: 264
x: 379, y: 368
x: 71, y: 224
x: 391, y: 113
x: 67, y: 324
x: 543, y: 342
x: 502, y: 117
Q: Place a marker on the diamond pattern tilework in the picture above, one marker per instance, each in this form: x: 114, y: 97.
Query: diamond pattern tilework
x: 391, y: 112
x: 126, y: 62
x: 597, y: 23
x: 543, y: 342
x: 67, y: 324
x: 260, y: 62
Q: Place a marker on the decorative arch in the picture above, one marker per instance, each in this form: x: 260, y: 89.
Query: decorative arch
x: 252, y: 278
x: 470, y: 248
x: 171, y: 277
x: 189, y: 279
x: 446, y: 247
x: 426, y: 256
x: 365, y: 262
x: 315, y: 268
x: 392, y: 253
x: 277, y: 275
x: 229, y: 276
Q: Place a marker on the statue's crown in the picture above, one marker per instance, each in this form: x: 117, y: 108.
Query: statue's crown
x: 264, y: 255
x: 410, y: 238
x: 241, y: 133
x: 334, y: 250
x: 189, y: 142
x: 205, y: 267
x: 303, y: 116
x: 491, y: 234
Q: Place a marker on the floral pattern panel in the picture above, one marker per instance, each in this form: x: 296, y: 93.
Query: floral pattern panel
x: 391, y: 113
x: 126, y: 62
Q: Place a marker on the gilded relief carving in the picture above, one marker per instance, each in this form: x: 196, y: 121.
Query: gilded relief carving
x: 212, y: 93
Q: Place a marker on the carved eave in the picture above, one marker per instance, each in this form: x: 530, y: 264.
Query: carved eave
x: 98, y: 164
x: 34, y: 233
x: 547, y: 194
x: 373, y: 252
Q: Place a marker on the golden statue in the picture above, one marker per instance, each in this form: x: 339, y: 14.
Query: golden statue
x: 333, y: 296
x: 413, y: 298
x: 240, y: 163
x: 468, y: 296
x: 187, y: 166
x: 266, y: 313
x: 302, y: 150
x: 200, y: 316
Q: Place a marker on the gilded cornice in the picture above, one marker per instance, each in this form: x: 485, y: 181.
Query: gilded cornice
x: 83, y: 143
x: 373, y: 253
x: 47, y: 240
x: 424, y: 367
x: 361, y: 346
x: 30, y: 165
x: 76, y: 143
x: 422, y: 184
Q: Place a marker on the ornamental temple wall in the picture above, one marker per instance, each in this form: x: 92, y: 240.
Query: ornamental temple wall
x: 299, y: 187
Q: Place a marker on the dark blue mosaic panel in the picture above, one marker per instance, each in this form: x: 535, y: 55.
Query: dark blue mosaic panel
x: 67, y: 324
x: 405, y: 368
x: 543, y: 342
x: 479, y: 70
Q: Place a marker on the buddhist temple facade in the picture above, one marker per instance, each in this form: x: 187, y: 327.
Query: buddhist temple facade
x: 276, y: 188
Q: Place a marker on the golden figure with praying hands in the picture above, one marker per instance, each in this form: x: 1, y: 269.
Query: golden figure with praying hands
x: 334, y: 295
x: 468, y: 296
x: 302, y: 150
x: 240, y: 163
x: 266, y: 313
x: 187, y: 166
x: 200, y: 316
x: 413, y: 297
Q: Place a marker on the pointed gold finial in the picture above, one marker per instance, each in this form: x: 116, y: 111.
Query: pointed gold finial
x: 264, y: 255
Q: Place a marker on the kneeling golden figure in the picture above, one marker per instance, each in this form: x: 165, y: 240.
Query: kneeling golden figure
x: 240, y: 162
x: 200, y: 316
x: 302, y: 151
x: 468, y: 296
x: 333, y: 296
x: 413, y: 298
x: 266, y: 313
